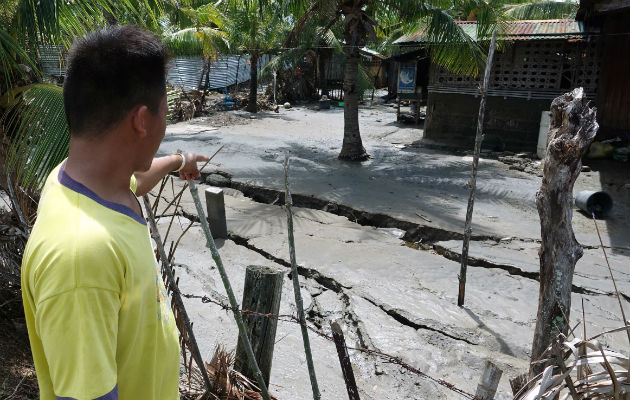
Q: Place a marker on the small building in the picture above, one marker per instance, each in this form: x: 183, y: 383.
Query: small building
x: 331, y: 71
x: 542, y: 60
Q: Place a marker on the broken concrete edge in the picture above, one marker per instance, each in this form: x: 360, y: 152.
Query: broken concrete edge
x: 330, y: 283
x: 514, y: 270
x: 414, y: 232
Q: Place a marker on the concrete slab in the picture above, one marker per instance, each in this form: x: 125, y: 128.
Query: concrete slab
x: 404, y: 176
x: 391, y: 297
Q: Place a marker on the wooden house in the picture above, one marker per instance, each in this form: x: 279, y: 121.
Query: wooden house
x: 608, y: 22
x: 542, y: 60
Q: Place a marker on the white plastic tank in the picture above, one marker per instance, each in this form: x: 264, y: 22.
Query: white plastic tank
x: 545, y: 119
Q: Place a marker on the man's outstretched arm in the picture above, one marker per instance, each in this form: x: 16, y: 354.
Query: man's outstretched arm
x: 163, y: 165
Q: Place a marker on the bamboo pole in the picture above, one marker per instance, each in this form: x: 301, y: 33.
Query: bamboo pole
x: 473, y: 175
x: 296, y: 284
x: 177, y: 297
x: 228, y: 288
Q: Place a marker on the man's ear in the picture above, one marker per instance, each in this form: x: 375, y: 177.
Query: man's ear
x: 140, y: 121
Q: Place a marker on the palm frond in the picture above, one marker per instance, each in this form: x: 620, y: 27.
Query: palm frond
x: 202, y: 41
x: 450, y: 46
x: 58, y: 21
x: 39, y: 135
x: 210, y: 14
x: 12, y: 54
x: 543, y: 10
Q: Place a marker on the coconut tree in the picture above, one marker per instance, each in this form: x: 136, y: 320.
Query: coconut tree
x: 450, y: 47
x: 202, y: 35
x: 33, y: 132
x: 254, y: 28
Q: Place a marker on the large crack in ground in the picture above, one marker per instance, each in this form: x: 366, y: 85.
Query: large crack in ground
x: 414, y: 232
x: 510, y: 269
x: 351, y: 318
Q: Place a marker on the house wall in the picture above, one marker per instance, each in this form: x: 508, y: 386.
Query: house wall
x: 525, y: 78
x: 613, y: 100
x: 510, y: 124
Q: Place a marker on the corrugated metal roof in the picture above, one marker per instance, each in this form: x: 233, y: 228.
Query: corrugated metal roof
x: 517, y: 30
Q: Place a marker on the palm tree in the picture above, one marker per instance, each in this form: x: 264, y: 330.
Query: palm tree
x: 33, y: 131
x: 254, y: 28
x: 450, y: 46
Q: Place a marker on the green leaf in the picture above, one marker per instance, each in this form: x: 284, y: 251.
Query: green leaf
x: 543, y: 10
x: 40, y: 135
x: 12, y: 54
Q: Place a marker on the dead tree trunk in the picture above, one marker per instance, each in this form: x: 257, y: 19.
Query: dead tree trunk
x: 571, y: 131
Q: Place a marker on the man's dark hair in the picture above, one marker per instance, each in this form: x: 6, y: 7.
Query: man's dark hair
x: 109, y: 72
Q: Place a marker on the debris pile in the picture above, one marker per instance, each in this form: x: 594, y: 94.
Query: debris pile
x: 524, y: 162
x: 186, y: 105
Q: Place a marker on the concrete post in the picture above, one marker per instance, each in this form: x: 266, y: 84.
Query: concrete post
x: 215, y: 207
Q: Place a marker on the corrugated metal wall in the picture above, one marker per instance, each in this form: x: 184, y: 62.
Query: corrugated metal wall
x: 225, y: 71
x: 184, y: 71
x: 53, y: 60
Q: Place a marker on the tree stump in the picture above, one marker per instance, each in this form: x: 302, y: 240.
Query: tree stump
x: 571, y: 131
x: 262, y: 292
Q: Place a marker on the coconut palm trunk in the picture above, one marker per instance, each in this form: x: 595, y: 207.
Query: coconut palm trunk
x: 355, y: 36
x: 253, y: 84
x: 352, y: 148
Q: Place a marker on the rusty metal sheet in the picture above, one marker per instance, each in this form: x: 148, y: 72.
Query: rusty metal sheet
x: 517, y: 30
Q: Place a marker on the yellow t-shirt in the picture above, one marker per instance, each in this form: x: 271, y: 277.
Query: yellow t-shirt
x: 98, y: 318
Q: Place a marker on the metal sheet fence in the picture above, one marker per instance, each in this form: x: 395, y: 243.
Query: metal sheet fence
x: 184, y: 72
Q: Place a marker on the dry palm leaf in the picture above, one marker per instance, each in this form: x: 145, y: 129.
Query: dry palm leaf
x: 590, y: 372
x: 227, y: 383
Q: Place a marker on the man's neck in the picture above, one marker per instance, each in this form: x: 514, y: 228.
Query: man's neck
x: 101, y: 165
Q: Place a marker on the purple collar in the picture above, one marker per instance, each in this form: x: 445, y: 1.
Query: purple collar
x: 75, y: 186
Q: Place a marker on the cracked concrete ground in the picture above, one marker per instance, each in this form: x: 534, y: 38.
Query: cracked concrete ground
x: 391, y: 297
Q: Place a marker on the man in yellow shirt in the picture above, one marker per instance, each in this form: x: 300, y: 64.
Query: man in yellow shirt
x: 97, y: 315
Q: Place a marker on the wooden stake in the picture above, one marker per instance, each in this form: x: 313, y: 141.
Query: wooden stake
x: 296, y: 284
x: 262, y: 293
x: 489, y: 381
x: 177, y: 298
x: 228, y: 288
x: 344, y: 360
x: 472, y: 184
x: 572, y: 129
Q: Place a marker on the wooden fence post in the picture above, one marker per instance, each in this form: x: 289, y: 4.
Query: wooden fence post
x: 489, y: 381
x: 228, y: 289
x: 263, y: 289
x: 344, y: 360
x: 472, y: 184
x: 572, y: 129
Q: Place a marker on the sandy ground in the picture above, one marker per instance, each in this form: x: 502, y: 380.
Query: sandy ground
x: 388, y: 296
